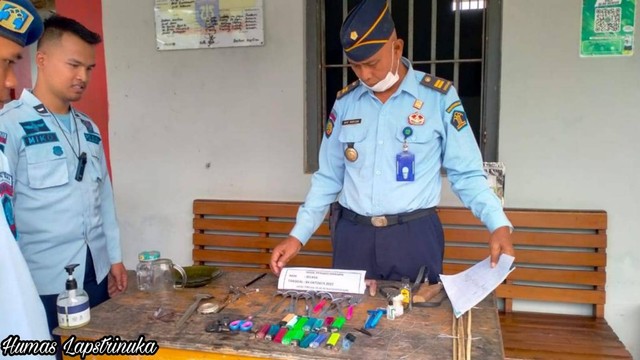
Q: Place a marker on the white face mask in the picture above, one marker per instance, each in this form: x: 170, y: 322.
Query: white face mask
x: 388, y: 81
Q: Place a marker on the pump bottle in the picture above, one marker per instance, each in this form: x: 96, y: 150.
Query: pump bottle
x: 73, y: 303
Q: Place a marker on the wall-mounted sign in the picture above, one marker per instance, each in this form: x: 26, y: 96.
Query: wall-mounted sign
x: 607, y: 27
x: 204, y: 24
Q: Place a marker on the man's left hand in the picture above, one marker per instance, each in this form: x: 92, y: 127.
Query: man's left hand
x: 499, y: 243
x: 117, y: 279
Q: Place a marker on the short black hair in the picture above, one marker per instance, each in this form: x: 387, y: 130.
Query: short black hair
x: 57, y: 25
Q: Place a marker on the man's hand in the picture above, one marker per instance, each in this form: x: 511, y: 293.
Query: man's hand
x: 117, y: 279
x: 372, y: 285
x: 500, y: 242
x: 284, y: 252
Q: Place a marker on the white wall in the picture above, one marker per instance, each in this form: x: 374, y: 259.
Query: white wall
x: 568, y: 134
x: 221, y: 123
x: 566, y: 129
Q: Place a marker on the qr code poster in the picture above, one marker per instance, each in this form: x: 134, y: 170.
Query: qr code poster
x: 607, y: 27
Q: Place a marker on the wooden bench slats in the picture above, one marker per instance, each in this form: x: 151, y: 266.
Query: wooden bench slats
x: 521, y: 237
x: 276, y: 227
x: 524, y: 351
x: 573, y: 277
x: 244, y: 208
x: 530, y: 218
x: 555, y: 336
x: 237, y: 257
x: 551, y: 294
x: 560, y: 258
x: 253, y: 242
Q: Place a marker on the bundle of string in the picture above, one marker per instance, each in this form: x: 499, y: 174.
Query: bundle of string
x: 462, y: 336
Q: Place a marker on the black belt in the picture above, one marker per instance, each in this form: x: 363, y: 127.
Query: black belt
x: 386, y: 220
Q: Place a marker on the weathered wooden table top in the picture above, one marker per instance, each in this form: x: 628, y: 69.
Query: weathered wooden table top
x: 423, y: 333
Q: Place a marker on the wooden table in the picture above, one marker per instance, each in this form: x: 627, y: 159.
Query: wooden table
x: 420, y: 334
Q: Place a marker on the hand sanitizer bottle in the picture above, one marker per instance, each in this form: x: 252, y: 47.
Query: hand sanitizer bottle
x: 73, y: 303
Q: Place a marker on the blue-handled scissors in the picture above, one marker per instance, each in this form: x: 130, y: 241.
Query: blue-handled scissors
x: 241, y: 325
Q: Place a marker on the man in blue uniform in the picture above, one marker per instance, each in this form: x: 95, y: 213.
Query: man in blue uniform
x: 22, y: 311
x: 386, y: 139
x: 63, y: 199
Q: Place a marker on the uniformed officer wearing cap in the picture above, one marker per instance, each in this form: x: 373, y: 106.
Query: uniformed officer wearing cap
x: 63, y: 200
x: 22, y: 311
x: 386, y: 139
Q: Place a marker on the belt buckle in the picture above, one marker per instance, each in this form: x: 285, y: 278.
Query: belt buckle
x: 379, y: 221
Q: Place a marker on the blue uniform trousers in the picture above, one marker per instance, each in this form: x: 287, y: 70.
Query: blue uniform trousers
x: 391, y: 252
x: 98, y: 293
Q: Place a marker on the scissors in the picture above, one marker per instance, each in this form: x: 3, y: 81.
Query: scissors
x: 241, y: 325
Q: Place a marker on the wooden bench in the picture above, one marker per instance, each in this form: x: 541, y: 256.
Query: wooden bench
x: 560, y: 258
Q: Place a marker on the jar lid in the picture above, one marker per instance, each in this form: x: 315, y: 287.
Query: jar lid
x: 208, y: 308
x: 149, y: 255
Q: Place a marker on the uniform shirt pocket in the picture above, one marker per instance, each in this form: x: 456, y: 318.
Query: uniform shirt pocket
x: 95, y: 167
x: 354, y: 136
x: 420, y: 135
x: 45, y: 169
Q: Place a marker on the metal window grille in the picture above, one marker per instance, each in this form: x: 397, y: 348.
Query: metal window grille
x: 438, y: 40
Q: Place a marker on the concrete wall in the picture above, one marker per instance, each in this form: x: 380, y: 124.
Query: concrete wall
x: 568, y: 128
x: 228, y: 123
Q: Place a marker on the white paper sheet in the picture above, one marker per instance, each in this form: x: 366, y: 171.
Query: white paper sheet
x: 332, y: 280
x: 468, y: 288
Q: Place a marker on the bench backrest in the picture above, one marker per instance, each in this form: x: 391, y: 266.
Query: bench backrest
x: 560, y: 255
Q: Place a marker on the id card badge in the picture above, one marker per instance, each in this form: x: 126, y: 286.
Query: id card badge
x: 405, y: 166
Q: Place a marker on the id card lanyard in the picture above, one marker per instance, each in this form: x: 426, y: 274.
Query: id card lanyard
x: 405, y: 160
x: 80, y: 155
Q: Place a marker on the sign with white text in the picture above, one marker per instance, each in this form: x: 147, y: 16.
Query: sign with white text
x: 330, y: 280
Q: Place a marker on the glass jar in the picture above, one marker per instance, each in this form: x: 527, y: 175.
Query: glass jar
x: 163, y: 275
x: 144, y: 270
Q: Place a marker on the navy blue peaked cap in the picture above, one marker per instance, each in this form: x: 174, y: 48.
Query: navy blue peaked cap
x: 20, y: 22
x: 366, y: 29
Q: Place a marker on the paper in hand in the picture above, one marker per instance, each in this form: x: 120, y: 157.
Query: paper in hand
x: 468, y: 288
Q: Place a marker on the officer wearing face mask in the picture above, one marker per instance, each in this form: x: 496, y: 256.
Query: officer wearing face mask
x: 385, y: 141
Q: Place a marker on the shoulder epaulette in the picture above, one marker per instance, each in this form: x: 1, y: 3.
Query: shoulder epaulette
x: 10, y: 106
x: 347, y: 89
x: 438, y: 84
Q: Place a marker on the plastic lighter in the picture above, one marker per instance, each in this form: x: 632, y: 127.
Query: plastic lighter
x: 308, y: 339
x: 263, y: 331
x: 273, y: 330
x: 292, y: 322
x: 298, y: 334
x: 281, y: 333
x: 300, y: 323
x: 308, y: 326
x: 317, y: 325
x: 333, y: 340
x: 337, y: 324
x: 347, y: 341
x: 319, y: 340
x: 286, y: 340
x: 327, y: 323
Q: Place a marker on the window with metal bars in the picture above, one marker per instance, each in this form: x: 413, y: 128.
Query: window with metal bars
x: 459, y: 45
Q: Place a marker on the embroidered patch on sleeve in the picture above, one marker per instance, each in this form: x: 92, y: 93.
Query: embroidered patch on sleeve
x: 459, y: 120
x: 328, y: 128
x: 454, y: 105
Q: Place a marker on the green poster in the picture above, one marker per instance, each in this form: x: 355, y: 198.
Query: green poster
x: 607, y: 27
